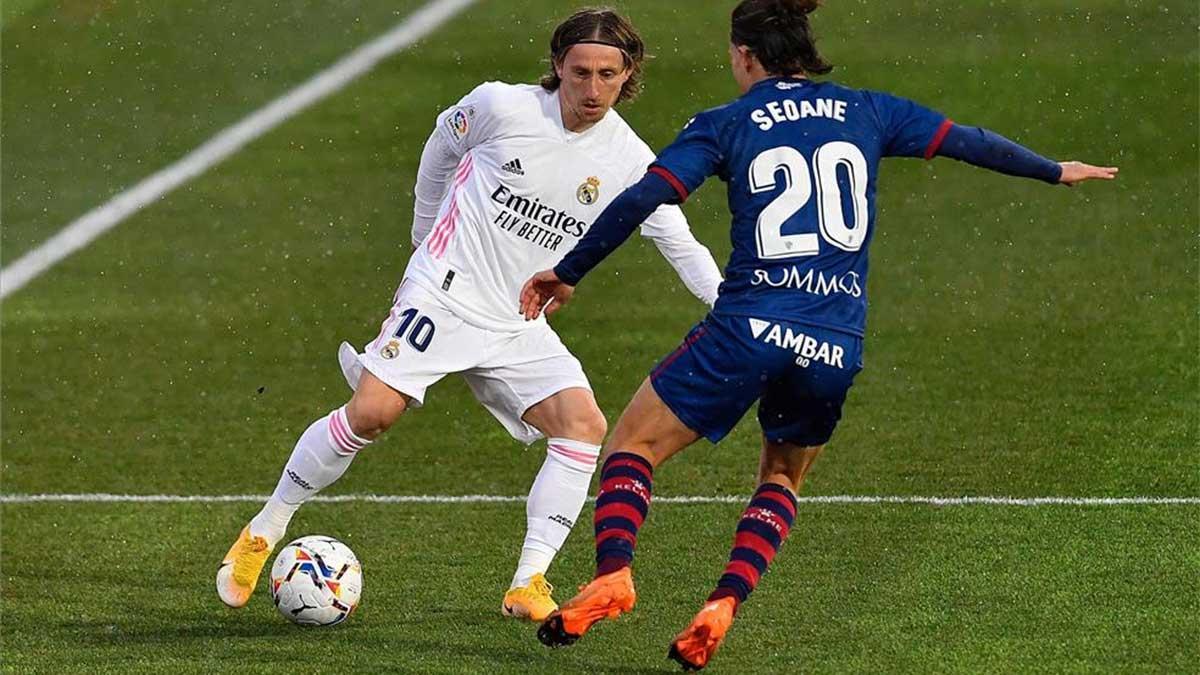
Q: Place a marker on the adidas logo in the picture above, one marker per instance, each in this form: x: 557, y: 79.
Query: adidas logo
x: 514, y: 167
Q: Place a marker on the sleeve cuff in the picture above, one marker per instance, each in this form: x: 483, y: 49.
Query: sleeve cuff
x: 936, y: 143
x: 566, y: 276
x: 674, y: 182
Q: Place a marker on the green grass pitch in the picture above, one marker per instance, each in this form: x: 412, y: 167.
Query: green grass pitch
x: 1023, y: 341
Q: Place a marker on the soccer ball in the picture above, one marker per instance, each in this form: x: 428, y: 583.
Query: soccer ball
x: 316, y: 581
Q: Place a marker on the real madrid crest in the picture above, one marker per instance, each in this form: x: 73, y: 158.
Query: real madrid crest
x: 589, y: 192
x: 391, y: 350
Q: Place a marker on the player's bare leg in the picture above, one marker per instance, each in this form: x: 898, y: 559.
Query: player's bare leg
x: 649, y: 429
x: 763, y: 528
x: 322, y: 454
x: 375, y: 407
x: 574, y: 428
x: 647, y: 434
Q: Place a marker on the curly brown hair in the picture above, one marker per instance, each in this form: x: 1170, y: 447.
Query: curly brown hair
x: 599, y: 25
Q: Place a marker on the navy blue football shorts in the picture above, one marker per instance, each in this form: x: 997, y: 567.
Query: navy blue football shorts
x: 726, y: 363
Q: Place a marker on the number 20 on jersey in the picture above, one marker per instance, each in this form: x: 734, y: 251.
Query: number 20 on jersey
x: 773, y: 244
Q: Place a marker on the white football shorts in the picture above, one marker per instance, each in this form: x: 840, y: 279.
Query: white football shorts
x: 422, y: 341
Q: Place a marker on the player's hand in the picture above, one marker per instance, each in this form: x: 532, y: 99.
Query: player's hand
x: 544, y: 291
x: 1077, y: 172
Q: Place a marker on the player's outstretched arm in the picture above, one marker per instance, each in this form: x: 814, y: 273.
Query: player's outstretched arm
x: 989, y: 150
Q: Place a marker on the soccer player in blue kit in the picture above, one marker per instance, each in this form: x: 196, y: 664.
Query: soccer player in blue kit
x: 800, y: 159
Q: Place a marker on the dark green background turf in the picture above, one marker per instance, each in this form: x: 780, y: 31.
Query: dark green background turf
x: 1023, y: 340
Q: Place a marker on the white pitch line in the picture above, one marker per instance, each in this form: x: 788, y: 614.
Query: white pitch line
x: 728, y: 499
x: 101, y: 219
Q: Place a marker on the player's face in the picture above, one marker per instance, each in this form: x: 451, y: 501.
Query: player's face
x: 592, y: 77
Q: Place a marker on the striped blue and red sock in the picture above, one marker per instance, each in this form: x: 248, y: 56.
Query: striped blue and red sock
x: 625, y: 487
x: 764, y: 525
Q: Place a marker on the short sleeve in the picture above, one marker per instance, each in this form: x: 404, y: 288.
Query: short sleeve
x: 692, y: 158
x: 474, y: 119
x: 908, y: 128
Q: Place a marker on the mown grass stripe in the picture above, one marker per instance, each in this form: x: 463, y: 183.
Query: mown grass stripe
x: 85, y: 229
x: 691, y: 499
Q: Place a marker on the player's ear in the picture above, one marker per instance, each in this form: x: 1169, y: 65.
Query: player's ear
x: 746, y: 57
x: 735, y: 56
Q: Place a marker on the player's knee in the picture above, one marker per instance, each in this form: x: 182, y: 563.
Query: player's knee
x: 595, y: 426
x: 786, y: 460
x: 587, y: 425
x: 371, y: 417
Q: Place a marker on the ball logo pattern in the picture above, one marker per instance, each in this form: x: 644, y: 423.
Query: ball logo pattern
x: 316, y: 581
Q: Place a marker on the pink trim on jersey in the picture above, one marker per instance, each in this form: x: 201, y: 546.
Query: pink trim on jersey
x: 439, y: 239
x: 438, y: 246
x: 440, y: 227
x: 343, y: 437
x: 449, y: 223
x: 576, y: 455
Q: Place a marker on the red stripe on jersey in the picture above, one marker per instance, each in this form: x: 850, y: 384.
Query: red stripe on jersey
x: 666, y: 175
x: 679, y: 352
x: 940, y: 136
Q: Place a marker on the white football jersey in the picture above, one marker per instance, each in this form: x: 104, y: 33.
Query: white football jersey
x: 524, y: 192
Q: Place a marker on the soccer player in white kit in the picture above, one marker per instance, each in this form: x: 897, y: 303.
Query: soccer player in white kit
x: 509, y: 181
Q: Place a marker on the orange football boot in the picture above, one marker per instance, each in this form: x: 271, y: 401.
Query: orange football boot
x: 606, y: 597
x: 698, y: 642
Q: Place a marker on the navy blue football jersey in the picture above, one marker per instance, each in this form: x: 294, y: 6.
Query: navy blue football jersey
x: 800, y: 159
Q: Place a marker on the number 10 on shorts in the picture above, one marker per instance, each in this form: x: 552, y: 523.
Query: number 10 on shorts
x: 422, y: 329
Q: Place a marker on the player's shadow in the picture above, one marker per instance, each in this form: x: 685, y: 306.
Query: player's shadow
x: 536, y: 658
x: 531, y: 656
x: 147, y: 629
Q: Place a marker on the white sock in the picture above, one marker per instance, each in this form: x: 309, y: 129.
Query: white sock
x: 554, y: 503
x: 321, y: 456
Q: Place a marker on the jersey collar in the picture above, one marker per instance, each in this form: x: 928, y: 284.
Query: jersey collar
x: 772, y: 81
